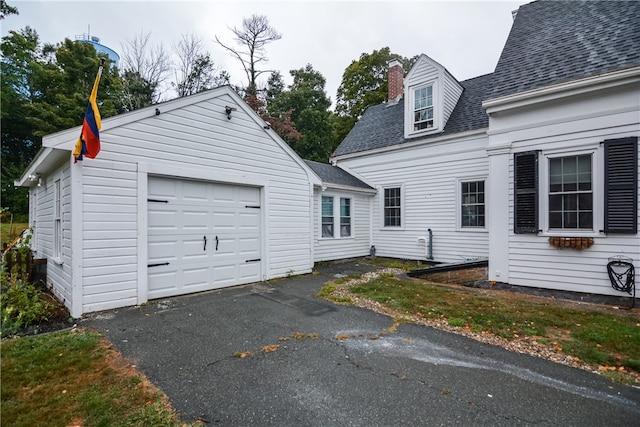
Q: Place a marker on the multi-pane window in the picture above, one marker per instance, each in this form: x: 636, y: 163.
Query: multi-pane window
x: 392, y: 207
x: 327, y: 216
x: 423, y: 108
x: 57, y: 220
x: 473, y: 208
x: 345, y: 217
x: 571, y: 192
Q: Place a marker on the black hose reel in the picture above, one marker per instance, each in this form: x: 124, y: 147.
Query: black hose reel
x: 622, y: 275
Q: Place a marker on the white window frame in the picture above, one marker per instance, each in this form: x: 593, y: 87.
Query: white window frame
x: 459, y: 201
x: 57, y: 219
x: 350, y: 216
x: 382, y: 207
x: 597, y: 168
x: 410, y: 109
x: 337, y: 218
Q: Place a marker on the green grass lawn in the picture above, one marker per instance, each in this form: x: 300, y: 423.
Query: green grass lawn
x: 8, y: 231
x: 76, y: 378
x: 605, y: 338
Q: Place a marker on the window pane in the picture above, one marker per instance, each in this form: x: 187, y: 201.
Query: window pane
x: 327, y: 216
x: 570, y: 220
x: 586, y: 220
x: 555, y: 219
x: 570, y: 192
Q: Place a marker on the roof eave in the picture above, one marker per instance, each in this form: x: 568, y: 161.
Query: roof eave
x: 46, y: 159
x: 340, y: 187
x: 410, y: 144
x: 562, y: 90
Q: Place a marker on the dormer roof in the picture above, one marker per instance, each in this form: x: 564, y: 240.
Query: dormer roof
x: 383, y: 125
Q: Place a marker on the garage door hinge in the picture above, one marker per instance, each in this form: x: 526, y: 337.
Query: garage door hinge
x: 158, y: 264
x: 157, y: 201
x: 253, y: 260
x: 252, y: 207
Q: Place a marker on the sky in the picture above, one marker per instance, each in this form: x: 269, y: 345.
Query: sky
x: 466, y: 37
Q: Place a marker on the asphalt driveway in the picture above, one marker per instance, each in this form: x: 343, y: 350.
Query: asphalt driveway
x: 331, y: 365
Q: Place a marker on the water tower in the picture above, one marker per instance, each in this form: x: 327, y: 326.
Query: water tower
x: 100, y: 48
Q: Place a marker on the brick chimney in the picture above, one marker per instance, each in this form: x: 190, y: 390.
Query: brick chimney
x: 396, y: 80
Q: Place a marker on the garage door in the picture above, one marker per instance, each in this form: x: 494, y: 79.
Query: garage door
x: 201, y: 236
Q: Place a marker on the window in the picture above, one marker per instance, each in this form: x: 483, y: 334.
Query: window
x: 331, y: 209
x: 392, y: 207
x: 472, y: 197
x: 327, y: 216
x: 423, y: 108
x: 345, y: 217
x: 57, y: 220
x: 570, y: 193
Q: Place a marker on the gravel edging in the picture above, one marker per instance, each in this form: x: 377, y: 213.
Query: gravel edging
x: 520, y: 344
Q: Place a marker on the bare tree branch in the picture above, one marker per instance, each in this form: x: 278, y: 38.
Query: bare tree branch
x: 252, y: 38
x: 151, y: 63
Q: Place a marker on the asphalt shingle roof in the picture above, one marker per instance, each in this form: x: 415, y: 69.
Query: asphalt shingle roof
x: 550, y: 42
x: 383, y: 125
x: 334, y: 175
x: 557, y: 41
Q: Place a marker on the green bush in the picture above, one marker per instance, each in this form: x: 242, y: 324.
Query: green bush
x: 22, y: 305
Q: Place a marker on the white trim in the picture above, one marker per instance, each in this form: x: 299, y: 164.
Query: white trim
x: 596, y: 185
x: 200, y: 173
x: 77, y: 241
x: 142, y: 226
x: 338, y: 187
x: 555, y: 91
x: 402, y: 207
x: 436, y: 108
x: 409, y: 144
x: 459, y: 227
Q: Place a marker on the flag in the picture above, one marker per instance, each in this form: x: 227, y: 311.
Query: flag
x: 88, y: 143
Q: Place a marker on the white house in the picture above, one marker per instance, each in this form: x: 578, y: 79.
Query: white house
x: 189, y: 195
x: 534, y: 166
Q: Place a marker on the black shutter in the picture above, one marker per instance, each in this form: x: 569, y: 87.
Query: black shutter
x: 621, y: 185
x: 526, y: 192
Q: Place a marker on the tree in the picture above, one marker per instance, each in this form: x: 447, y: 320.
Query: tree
x: 5, y: 9
x: 195, y: 70
x: 364, y: 83
x: 45, y: 89
x: 147, y: 65
x: 253, y: 37
x: 308, y: 106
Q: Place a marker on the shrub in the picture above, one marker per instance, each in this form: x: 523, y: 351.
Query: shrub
x: 22, y: 305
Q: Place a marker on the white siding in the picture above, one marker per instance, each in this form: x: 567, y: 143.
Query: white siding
x: 358, y: 244
x: 565, y: 127
x: 197, y: 138
x: 429, y: 175
x: 42, y: 219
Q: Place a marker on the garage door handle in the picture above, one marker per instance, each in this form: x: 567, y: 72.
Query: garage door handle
x: 158, y: 264
x: 216, y: 243
x: 205, y: 243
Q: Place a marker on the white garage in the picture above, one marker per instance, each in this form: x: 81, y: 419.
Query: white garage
x: 201, y: 236
x: 189, y: 195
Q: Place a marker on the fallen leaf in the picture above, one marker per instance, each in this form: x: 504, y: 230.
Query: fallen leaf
x: 270, y: 348
x: 242, y: 355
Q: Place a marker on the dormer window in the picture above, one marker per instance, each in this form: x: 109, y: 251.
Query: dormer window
x: 423, y: 108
